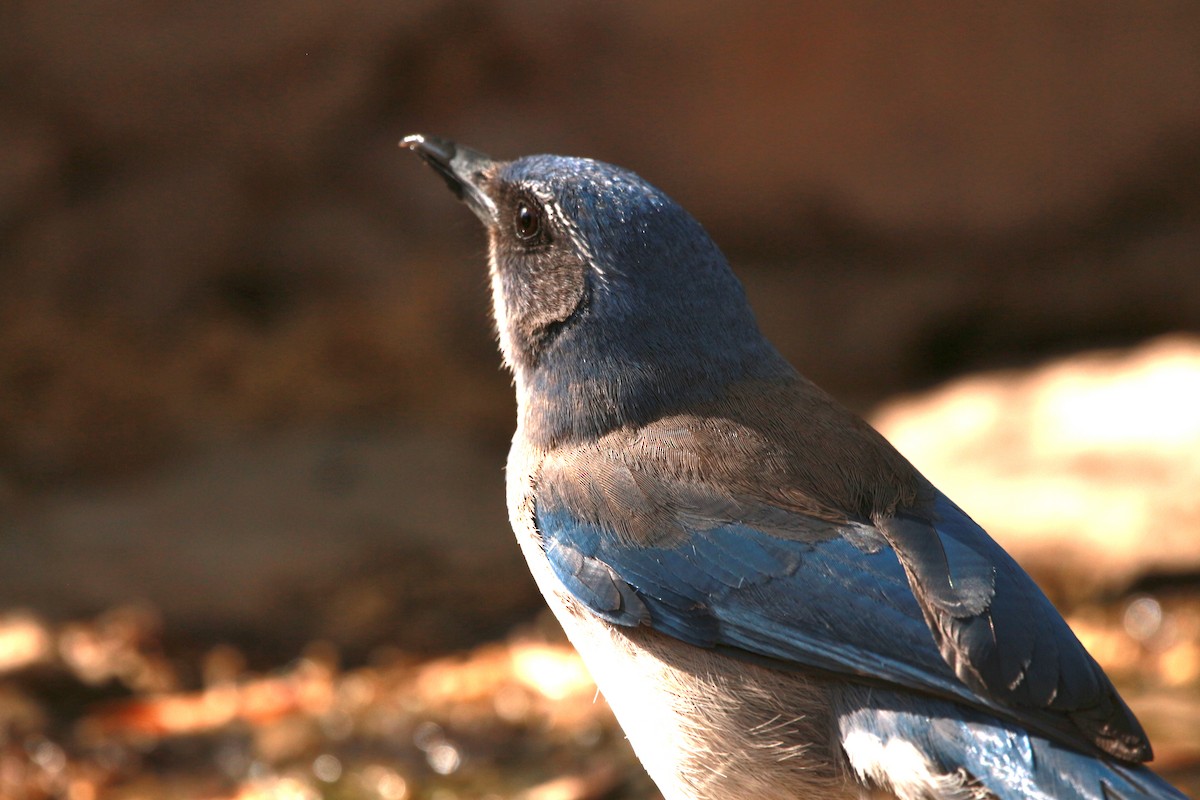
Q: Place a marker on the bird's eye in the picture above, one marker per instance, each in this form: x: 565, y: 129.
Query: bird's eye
x: 528, y: 220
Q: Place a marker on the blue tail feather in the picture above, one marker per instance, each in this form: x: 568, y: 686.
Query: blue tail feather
x: 979, y: 755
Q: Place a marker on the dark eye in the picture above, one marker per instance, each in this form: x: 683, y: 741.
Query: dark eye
x: 528, y: 220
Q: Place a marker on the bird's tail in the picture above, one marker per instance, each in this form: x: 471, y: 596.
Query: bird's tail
x: 918, y: 747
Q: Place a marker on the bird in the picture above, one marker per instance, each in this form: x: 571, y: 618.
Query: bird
x: 774, y: 602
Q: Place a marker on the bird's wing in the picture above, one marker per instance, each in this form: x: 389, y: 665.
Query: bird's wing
x: 921, y: 599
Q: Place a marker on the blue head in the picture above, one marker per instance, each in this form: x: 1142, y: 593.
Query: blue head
x: 612, y: 303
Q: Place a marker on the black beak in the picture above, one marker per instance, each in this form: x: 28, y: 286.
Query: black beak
x: 464, y: 170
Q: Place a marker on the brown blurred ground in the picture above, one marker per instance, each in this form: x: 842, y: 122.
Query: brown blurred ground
x: 246, y: 376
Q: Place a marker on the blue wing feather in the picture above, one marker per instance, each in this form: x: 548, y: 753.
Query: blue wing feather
x: 843, y: 604
x: 1014, y: 648
x: 827, y: 605
x: 924, y: 600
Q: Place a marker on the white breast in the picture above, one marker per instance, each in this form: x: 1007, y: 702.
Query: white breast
x: 705, y: 726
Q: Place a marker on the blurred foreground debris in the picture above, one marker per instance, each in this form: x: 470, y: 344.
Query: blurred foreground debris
x: 514, y: 719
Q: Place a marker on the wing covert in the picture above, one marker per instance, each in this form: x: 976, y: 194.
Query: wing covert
x: 922, y: 599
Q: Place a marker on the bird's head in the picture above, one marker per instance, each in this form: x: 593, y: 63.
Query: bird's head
x: 611, y: 301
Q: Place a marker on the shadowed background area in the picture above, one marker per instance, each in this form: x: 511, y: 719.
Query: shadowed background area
x: 247, y: 381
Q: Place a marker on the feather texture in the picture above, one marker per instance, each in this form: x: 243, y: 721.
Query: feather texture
x: 775, y: 601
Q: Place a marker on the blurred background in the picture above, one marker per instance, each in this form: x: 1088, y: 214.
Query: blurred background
x: 252, y: 421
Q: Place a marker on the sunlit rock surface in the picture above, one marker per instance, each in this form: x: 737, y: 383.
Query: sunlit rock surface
x: 1087, y: 466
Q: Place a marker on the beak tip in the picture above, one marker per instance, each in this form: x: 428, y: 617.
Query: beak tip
x: 460, y: 167
x: 430, y: 147
x: 415, y: 141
